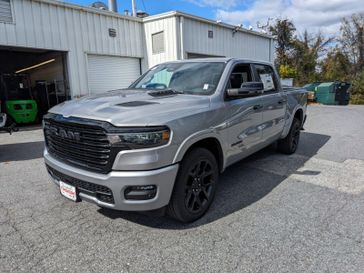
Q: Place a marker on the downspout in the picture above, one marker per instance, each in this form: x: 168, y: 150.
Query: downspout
x: 182, y: 49
x: 272, y: 50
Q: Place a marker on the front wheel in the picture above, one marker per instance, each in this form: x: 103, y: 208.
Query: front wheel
x: 195, y: 186
x: 289, y: 144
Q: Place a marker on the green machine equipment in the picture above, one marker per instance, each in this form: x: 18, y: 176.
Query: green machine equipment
x: 18, y: 100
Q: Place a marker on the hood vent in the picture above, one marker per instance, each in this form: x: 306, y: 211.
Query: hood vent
x: 136, y: 103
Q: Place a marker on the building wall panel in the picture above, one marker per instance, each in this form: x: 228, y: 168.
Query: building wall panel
x: 224, y: 42
x: 168, y: 26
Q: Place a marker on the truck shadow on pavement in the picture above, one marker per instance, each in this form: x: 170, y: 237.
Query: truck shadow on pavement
x: 21, y: 151
x: 240, y: 186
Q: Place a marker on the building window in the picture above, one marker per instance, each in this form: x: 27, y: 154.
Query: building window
x: 5, y: 11
x: 158, y: 42
x: 210, y: 34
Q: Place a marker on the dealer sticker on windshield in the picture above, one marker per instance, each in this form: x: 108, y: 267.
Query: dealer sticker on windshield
x: 68, y: 191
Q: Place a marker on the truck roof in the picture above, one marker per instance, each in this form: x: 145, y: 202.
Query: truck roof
x: 220, y: 60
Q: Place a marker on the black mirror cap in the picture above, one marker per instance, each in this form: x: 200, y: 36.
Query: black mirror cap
x: 247, y: 89
x: 251, y: 86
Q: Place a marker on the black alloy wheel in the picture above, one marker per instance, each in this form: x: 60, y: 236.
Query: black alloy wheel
x: 289, y: 144
x: 199, y: 186
x: 195, y: 186
x: 295, y: 136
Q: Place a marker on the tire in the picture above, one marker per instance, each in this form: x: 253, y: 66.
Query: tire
x: 195, y: 186
x: 289, y: 144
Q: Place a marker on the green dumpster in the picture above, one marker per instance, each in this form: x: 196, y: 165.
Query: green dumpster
x: 325, y: 93
x: 333, y: 93
x: 311, y: 86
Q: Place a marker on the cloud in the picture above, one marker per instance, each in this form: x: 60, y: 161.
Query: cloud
x: 313, y: 15
x: 226, y: 4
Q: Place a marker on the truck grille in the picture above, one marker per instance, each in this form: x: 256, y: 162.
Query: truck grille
x: 79, y: 142
x: 102, y: 193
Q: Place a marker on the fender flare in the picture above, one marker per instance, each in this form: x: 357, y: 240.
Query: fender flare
x: 289, y: 119
x: 196, y: 137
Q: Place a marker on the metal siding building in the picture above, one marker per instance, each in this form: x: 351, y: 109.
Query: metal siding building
x: 186, y: 36
x: 79, y: 31
x: 94, y: 58
x: 224, y: 42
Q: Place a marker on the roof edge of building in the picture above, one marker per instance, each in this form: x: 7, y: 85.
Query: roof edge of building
x: 175, y: 13
x: 89, y: 9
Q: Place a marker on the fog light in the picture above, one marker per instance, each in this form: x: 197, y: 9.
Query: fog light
x: 144, y: 192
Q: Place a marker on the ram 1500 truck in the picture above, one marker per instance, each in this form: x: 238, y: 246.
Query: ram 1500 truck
x: 162, y: 142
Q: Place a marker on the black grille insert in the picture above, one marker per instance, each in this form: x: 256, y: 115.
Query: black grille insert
x: 102, y: 193
x: 79, y: 142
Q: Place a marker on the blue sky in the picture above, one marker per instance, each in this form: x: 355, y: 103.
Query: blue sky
x: 159, y: 6
x: 314, y: 15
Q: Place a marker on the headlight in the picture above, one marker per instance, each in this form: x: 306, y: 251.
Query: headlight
x: 141, y: 138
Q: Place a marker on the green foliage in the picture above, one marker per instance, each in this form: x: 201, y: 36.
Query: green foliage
x: 287, y: 71
x: 306, y: 54
x: 314, y: 57
x: 297, y: 58
x: 283, y: 30
x: 357, y: 92
x: 336, y: 66
x: 352, y: 40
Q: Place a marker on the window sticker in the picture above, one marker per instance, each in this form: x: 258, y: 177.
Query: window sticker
x: 267, y: 81
x: 205, y: 86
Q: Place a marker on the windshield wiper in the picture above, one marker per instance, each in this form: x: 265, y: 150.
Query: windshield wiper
x: 164, y: 92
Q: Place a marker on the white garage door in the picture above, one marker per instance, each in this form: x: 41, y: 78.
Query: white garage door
x: 107, y: 73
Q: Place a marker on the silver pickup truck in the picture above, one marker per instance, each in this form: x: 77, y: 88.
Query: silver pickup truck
x: 162, y: 142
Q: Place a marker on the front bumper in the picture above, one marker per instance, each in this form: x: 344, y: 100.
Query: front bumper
x: 118, y: 181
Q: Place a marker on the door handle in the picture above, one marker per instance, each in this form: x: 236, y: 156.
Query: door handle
x: 257, y: 107
x: 282, y: 101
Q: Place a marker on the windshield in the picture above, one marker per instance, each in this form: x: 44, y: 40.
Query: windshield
x: 197, y: 78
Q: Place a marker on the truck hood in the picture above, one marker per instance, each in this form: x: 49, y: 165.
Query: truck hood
x: 133, y: 107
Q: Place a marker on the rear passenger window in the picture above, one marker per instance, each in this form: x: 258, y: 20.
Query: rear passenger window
x: 267, y: 77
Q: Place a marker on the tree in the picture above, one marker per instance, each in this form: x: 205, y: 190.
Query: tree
x: 352, y: 41
x: 283, y: 30
x: 307, y: 52
x: 336, y: 66
x: 357, y: 92
x: 352, y: 45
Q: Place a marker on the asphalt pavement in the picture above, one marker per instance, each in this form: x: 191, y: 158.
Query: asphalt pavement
x: 272, y: 213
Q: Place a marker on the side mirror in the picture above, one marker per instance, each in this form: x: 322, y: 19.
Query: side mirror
x: 247, y: 89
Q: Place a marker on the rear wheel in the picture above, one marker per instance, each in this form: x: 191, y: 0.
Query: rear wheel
x: 195, y: 186
x: 289, y: 144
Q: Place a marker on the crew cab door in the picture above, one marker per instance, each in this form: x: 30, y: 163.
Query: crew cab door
x: 274, y: 102
x: 243, y: 115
